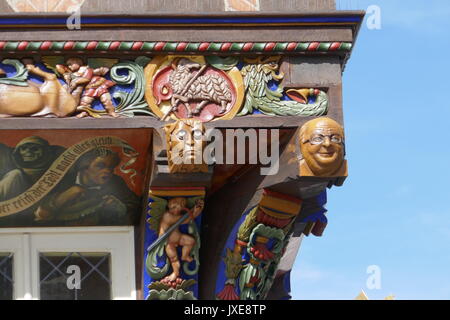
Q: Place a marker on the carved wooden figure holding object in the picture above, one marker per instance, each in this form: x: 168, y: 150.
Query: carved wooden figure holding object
x: 176, y: 207
x: 87, y: 84
x: 172, y: 258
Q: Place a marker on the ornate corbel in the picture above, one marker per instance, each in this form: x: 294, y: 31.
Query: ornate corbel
x: 258, y: 247
x: 172, y: 239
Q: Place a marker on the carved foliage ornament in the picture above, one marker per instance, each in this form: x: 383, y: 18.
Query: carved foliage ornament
x: 212, y: 88
x: 259, y: 244
x: 204, y: 88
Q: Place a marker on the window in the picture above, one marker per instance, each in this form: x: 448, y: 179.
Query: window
x: 6, y: 276
x: 74, y: 276
x: 67, y: 263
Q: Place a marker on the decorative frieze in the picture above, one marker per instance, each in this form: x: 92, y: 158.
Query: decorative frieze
x: 178, y: 47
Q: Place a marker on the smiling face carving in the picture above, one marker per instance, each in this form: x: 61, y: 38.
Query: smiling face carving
x: 322, y: 147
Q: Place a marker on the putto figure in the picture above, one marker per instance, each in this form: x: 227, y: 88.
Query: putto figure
x: 173, y: 222
x: 323, y: 149
x: 89, y: 83
x: 176, y: 207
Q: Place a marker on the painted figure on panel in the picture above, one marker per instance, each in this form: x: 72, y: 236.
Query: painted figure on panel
x: 32, y: 157
x: 97, y: 196
x: 323, y: 149
x: 84, y: 183
x: 22, y: 167
x: 185, y: 146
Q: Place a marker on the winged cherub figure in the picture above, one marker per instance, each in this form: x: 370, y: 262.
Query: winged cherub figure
x: 176, y: 208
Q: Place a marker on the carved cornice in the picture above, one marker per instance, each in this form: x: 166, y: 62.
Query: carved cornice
x: 247, y: 19
x: 176, y: 47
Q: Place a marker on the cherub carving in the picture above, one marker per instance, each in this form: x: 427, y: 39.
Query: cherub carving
x: 166, y: 219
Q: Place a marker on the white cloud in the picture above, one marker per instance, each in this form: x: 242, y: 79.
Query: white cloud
x: 416, y: 16
x: 305, y: 272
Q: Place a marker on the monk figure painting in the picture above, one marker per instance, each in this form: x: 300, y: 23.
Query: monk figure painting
x: 95, y: 181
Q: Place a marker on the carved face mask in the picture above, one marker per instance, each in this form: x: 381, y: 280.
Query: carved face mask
x: 322, y: 146
x: 185, y: 146
x: 31, y: 152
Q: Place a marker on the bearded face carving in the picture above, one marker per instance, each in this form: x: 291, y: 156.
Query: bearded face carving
x: 185, y: 146
x: 323, y: 150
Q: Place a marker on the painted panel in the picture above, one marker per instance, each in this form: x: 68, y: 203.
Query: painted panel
x: 72, y: 178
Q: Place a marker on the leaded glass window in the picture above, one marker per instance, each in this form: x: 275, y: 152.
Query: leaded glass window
x: 75, y: 276
x: 6, y: 276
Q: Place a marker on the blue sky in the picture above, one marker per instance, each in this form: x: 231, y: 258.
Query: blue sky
x: 392, y: 211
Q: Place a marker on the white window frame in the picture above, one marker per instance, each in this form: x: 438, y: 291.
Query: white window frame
x: 14, y: 243
x: 27, y: 243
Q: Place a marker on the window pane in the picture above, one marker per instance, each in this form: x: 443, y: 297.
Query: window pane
x: 75, y: 276
x: 6, y: 276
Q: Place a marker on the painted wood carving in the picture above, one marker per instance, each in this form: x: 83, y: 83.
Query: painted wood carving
x: 56, y: 87
x: 56, y: 178
x: 173, y: 243
x: 185, y: 145
x: 255, y: 247
x: 211, y: 88
x: 191, y: 87
x: 322, y: 147
x: 210, y: 113
x: 205, y: 88
x: 264, y: 94
x: 19, y: 97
